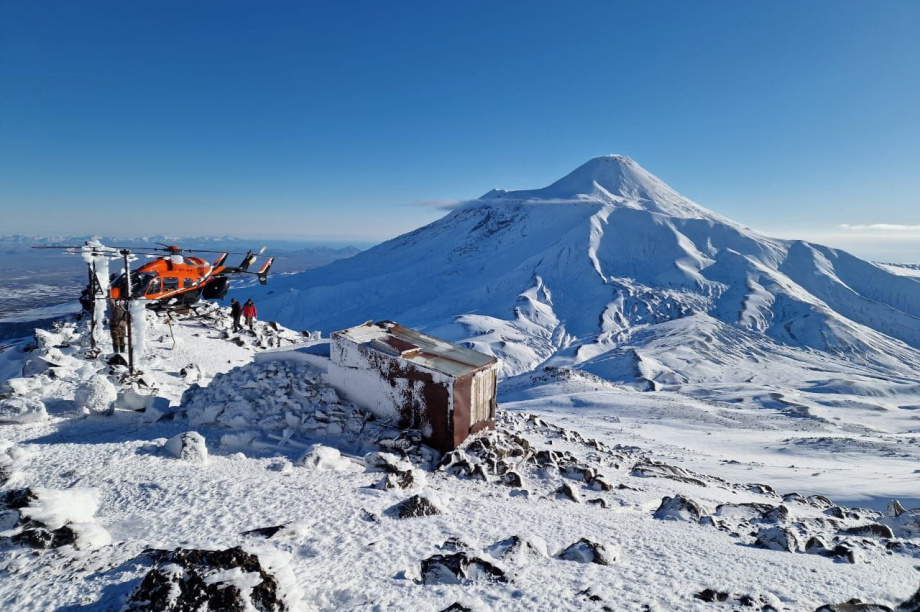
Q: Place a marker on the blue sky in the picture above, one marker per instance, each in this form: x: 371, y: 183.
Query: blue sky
x: 334, y: 119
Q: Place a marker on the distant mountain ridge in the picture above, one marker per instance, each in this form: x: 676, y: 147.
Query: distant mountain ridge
x: 611, y: 271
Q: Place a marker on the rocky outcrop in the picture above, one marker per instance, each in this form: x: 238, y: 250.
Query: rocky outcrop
x: 184, y: 580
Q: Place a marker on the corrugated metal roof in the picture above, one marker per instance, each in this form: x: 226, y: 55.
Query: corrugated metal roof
x: 416, y: 347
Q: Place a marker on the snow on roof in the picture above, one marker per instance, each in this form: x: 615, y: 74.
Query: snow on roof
x: 414, y: 346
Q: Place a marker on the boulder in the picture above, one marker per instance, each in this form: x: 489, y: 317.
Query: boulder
x: 22, y: 410
x: 872, y: 530
x: 519, y: 550
x: 189, y: 446
x: 679, y: 508
x: 777, y: 538
x: 184, y: 579
x: 567, y: 491
x: 96, y: 395
x: 322, y: 457
x: 459, y: 568
x: 586, y: 551
x: 417, y: 506
x: 854, y: 605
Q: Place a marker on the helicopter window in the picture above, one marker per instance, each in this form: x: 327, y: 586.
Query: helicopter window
x: 188, y: 282
x: 170, y: 284
x: 153, y: 287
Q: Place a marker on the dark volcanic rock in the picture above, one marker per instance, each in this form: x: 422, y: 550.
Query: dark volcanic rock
x: 42, y: 537
x: 177, y: 583
x: 711, y: 595
x: 415, y: 506
x: 457, y: 607
x: 459, y: 568
x: 265, y: 532
x: 18, y: 498
x: 873, y: 530
x: 912, y: 604
x: 854, y: 605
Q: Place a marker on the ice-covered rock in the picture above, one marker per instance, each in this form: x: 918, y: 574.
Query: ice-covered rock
x: 679, y: 508
x: 131, y: 399
x: 22, y: 409
x: 587, y: 551
x: 96, y: 395
x: 188, y: 446
x: 777, y: 538
x: 567, y: 491
x: 519, y: 550
x: 325, y: 458
x: 52, y: 518
x: 459, y: 568
x: 904, y: 524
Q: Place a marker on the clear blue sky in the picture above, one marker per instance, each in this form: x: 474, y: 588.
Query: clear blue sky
x: 331, y: 119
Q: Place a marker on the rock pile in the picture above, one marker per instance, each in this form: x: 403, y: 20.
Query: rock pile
x: 183, y: 579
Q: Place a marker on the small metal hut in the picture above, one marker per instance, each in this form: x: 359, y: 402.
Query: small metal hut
x: 445, y: 390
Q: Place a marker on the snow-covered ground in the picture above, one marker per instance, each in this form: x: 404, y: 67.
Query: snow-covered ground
x: 282, y: 450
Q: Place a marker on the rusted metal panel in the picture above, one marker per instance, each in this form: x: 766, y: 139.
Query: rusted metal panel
x: 461, y: 416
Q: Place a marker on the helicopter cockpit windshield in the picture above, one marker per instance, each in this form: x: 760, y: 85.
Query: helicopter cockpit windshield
x: 139, y: 282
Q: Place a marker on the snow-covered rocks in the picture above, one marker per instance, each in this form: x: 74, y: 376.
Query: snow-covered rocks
x: 519, y: 550
x: 460, y: 568
x: 777, y: 538
x: 903, y: 523
x: 96, y: 395
x: 423, y: 504
x: 189, y: 446
x: 52, y: 518
x: 679, y: 508
x: 321, y: 457
x: 22, y: 410
x: 588, y: 551
x: 189, y: 579
x: 132, y: 399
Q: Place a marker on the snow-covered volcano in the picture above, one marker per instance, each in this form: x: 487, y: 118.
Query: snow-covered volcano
x: 611, y: 271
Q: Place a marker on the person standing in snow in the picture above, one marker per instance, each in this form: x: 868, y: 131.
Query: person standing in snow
x: 118, y: 325
x: 236, y: 311
x: 249, y: 311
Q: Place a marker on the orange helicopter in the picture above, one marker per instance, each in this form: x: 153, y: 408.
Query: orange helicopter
x: 174, y: 279
x: 178, y: 279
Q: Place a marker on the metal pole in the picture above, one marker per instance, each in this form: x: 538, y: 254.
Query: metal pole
x: 125, y: 252
x: 92, y: 291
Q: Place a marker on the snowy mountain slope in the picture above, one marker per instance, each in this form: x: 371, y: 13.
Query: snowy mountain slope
x: 598, y: 267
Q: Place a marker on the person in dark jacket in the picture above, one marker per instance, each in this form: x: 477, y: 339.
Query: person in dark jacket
x: 236, y: 311
x: 249, y: 311
x: 118, y: 325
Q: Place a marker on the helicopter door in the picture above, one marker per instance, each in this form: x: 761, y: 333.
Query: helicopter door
x: 170, y: 284
x: 153, y: 287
